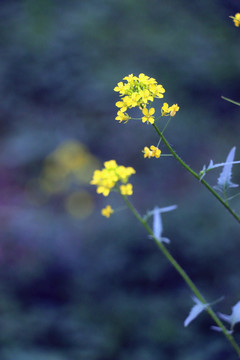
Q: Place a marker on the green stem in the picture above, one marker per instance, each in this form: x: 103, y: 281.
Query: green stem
x: 232, y: 101
x: 197, y: 176
x: 183, y: 274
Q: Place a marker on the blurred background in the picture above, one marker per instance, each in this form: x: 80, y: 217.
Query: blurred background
x: 75, y: 285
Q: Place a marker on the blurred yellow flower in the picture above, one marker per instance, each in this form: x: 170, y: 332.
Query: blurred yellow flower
x: 169, y: 110
x: 126, y: 189
x: 71, y: 163
x: 155, y: 151
x: 79, y: 204
x: 173, y: 109
x: 147, y: 152
x: 236, y: 19
x: 122, y: 117
x: 107, y: 211
x: 69, y: 166
x: 152, y: 152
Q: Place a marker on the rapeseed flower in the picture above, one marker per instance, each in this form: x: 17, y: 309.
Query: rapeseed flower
x: 173, y: 109
x: 167, y: 110
x: 152, y: 152
x: 236, y: 19
x: 107, y: 211
x: 140, y: 91
x: 110, y: 176
x: 126, y: 189
x: 147, y: 152
x: 121, y: 116
x: 155, y: 151
x: 148, y: 115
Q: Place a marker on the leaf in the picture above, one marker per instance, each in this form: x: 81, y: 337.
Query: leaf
x: 212, y: 166
x: 157, y: 222
x: 234, y: 318
x: 224, y: 180
x: 195, y: 311
x: 217, y: 328
x: 236, y: 313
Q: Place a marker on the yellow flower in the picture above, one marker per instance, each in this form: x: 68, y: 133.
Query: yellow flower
x: 121, y: 116
x: 129, y: 78
x: 152, y: 152
x: 148, y: 115
x: 157, y: 90
x: 126, y: 189
x: 165, y: 109
x: 122, y: 105
x: 169, y: 110
x: 107, y: 211
x: 173, y: 109
x: 147, y: 152
x: 124, y: 173
x: 119, y: 87
x: 236, y: 19
x: 155, y: 151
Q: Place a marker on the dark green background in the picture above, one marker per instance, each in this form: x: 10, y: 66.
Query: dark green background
x: 98, y: 289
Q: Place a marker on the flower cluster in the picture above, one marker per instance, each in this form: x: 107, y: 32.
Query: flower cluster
x: 112, y: 175
x: 134, y: 91
x: 137, y: 91
x: 152, y: 152
x: 140, y: 91
x: 236, y: 19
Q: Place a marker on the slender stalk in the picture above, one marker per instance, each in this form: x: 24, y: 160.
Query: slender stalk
x: 197, y: 176
x: 183, y: 274
x: 232, y: 101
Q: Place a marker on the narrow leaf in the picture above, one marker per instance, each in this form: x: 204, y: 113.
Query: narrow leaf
x: 232, y: 319
x: 217, y: 328
x: 214, y: 166
x: 224, y: 180
x: 195, y: 311
x: 157, y: 222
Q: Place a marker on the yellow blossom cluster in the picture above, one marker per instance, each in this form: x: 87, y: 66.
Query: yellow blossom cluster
x: 112, y: 175
x: 65, y: 172
x: 236, y: 19
x: 69, y: 164
x: 134, y: 91
x: 152, y: 152
x: 137, y: 91
x: 140, y: 91
x: 169, y: 110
